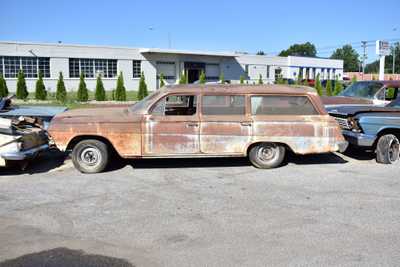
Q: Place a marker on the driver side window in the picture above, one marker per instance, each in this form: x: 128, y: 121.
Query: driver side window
x: 176, y: 105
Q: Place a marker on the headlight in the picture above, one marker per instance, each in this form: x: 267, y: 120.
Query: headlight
x: 355, y: 127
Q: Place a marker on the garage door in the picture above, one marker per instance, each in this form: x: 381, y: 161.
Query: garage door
x: 212, y: 71
x: 167, y: 69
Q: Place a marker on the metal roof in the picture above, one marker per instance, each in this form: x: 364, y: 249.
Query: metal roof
x: 183, y: 52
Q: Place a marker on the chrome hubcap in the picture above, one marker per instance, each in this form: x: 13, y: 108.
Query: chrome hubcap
x: 266, y: 153
x: 90, y: 156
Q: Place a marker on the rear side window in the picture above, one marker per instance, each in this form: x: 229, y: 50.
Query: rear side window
x: 223, y: 105
x: 282, y: 105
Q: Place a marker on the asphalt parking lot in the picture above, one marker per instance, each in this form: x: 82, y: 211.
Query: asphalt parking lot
x: 316, y: 210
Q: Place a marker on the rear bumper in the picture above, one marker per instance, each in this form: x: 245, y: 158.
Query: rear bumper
x: 24, y: 154
x: 359, y: 139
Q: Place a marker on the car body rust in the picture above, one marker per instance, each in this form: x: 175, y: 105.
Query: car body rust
x: 137, y: 132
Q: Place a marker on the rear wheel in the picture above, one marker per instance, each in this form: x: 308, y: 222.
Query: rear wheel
x: 267, y: 155
x: 387, y: 149
x: 90, y: 156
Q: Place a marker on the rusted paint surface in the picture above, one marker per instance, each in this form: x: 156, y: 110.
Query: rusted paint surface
x: 140, y: 134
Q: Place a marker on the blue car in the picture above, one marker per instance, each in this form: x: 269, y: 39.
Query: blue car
x: 371, y: 128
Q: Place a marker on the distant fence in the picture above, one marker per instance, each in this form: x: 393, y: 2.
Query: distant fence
x: 370, y: 76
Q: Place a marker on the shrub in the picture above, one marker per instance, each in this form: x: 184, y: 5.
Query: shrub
x: 162, y: 82
x: 222, y: 78
x: 202, y: 78
x: 120, y: 91
x: 338, y: 86
x: 318, y: 86
x: 22, y: 91
x: 61, y: 93
x: 3, y: 86
x: 183, y: 79
x: 40, y: 90
x: 241, y: 79
x: 260, y: 80
x: 82, y: 94
x: 100, y: 94
x: 328, y: 88
x: 354, y: 79
x: 142, y: 92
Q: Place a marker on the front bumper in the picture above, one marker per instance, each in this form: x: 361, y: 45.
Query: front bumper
x: 24, y: 154
x: 342, y: 146
x: 359, y: 139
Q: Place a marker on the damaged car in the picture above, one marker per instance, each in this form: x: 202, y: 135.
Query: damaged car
x: 261, y: 122
x: 371, y: 128
x: 21, y: 139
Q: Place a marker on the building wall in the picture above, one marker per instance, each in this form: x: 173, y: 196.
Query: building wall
x: 233, y: 66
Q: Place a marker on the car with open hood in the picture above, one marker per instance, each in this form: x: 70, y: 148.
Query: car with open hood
x: 373, y: 128
x: 374, y: 93
x: 258, y: 121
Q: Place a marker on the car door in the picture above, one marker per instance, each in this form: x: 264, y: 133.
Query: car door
x: 171, y: 127
x: 225, y: 127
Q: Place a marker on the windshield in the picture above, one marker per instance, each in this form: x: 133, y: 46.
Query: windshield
x: 362, y: 90
x: 144, y: 102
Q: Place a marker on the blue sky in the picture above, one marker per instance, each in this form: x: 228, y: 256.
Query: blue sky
x: 219, y: 25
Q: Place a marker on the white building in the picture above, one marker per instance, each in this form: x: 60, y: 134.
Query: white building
x: 72, y: 60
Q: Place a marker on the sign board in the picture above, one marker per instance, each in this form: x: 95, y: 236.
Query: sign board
x: 382, y: 48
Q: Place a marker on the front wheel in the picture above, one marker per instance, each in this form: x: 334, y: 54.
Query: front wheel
x: 267, y: 155
x: 387, y: 149
x: 90, y: 156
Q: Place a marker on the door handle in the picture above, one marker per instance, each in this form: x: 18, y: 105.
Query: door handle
x: 192, y: 124
x: 245, y: 123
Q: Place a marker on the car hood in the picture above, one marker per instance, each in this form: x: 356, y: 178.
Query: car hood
x: 352, y: 110
x: 338, y: 100
x: 94, y: 115
x: 43, y: 112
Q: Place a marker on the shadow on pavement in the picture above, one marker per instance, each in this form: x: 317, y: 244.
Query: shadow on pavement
x: 64, y: 257
x: 220, y: 162
x: 45, y: 162
x: 359, y: 154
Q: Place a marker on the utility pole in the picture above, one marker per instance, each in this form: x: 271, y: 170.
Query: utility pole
x: 364, y: 45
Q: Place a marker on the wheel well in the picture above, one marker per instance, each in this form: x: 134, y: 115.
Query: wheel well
x: 257, y: 143
x: 393, y: 131
x: 79, y: 138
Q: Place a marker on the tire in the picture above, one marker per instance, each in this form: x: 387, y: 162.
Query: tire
x: 90, y: 156
x: 387, y: 149
x: 267, y: 155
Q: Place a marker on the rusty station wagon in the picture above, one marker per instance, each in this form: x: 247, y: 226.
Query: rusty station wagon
x: 258, y: 121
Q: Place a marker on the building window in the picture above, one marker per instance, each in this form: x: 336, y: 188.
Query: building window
x: 31, y: 66
x: 137, y: 69
x: 91, y: 68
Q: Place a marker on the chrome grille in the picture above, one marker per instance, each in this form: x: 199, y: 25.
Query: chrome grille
x: 343, y: 123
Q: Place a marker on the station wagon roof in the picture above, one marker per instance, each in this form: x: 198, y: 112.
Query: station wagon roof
x: 239, y: 88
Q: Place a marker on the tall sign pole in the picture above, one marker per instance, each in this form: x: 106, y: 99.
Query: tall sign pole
x: 382, y: 50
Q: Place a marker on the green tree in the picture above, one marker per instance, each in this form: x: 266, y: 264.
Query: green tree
x: 260, y: 79
x: 40, y: 90
x: 222, y: 78
x: 183, y: 78
x: 338, y: 86
x: 82, y: 95
x: 318, y: 86
x: 328, y: 88
x: 3, y: 86
x: 22, y: 91
x: 100, y: 93
x: 202, y: 78
x: 260, y: 53
x: 120, y: 91
x: 354, y: 79
x: 305, y: 50
x: 142, y: 92
x: 162, y: 82
x: 241, y: 79
x: 349, y: 57
x: 61, y: 93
